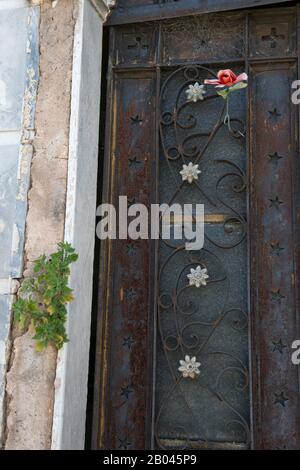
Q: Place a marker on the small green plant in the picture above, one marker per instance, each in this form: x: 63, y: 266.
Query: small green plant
x: 43, y: 298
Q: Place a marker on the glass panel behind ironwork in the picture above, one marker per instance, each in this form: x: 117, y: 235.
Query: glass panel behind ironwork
x: 209, y: 322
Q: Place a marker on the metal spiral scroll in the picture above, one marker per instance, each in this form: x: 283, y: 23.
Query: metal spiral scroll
x: 182, y: 303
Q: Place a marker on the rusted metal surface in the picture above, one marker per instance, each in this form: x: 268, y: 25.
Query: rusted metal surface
x: 274, y: 188
x: 136, y: 45
x: 217, y: 37
x: 273, y: 35
x: 135, y: 11
x: 129, y: 301
x: 144, y: 65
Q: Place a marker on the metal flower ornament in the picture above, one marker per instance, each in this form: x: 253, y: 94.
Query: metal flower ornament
x: 190, y: 172
x: 195, y: 93
x: 189, y: 367
x: 198, y: 277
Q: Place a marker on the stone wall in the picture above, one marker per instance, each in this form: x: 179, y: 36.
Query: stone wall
x: 30, y: 380
x: 19, y: 57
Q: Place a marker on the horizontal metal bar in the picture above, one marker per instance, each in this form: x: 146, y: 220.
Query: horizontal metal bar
x: 208, y: 218
x: 165, y: 65
x: 161, y: 11
x: 263, y: 60
x: 193, y: 444
x: 162, y: 65
x: 222, y: 60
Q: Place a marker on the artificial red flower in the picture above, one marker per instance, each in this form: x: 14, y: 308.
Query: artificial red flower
x: 227, y: 81
x: 227, y: 78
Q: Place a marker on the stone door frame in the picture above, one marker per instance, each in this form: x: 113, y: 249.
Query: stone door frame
x: 71, y: 380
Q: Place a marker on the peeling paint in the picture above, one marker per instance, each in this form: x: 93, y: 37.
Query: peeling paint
x: 29, y: 97
x: 5, y: 308
x: 16, y: 135
x: 27, y: 136
x: 26, y: 152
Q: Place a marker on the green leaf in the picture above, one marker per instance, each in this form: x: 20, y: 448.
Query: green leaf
x: 45, y: 297
x: 40, y: 346
x: 224, y: 92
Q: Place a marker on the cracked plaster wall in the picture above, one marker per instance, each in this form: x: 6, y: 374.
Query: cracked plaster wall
x: 31, y: 375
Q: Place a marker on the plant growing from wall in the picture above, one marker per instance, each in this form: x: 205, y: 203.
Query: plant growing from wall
x: 43, y: 298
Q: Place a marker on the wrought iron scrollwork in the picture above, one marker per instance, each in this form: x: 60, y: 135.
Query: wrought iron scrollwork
x: 184, y: 326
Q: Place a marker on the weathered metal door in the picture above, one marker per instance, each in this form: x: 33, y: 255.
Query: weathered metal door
x: 240, y: 326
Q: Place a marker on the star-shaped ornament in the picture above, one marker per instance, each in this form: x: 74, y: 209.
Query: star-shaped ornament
x: 279, y: 346
x: 195, y: 93
x: 190, y: 172
x: 277, y: 296
x: 198, y: 277
x: 281, y: 399
x: 275, y: 202
x: 274, y: 157
x: 126, y: 391
x: 276, y: 249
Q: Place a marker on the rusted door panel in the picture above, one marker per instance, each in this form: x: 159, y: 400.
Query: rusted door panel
x: 129, y: 315
x: 142, y: 57
x: 273, y: 35
x: 274, y: 315
x: 135, y: 45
